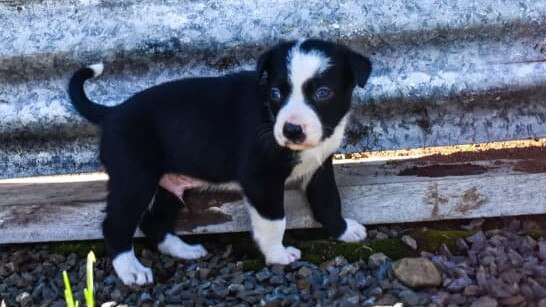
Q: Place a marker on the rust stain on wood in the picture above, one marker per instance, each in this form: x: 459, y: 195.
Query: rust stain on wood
x: 444, y: 170
x: 470, y: 200
x: 532, y: 166
x: 14, y: 215
x: 203, y: 209
x: 433, y: 198
x: 25, y: 204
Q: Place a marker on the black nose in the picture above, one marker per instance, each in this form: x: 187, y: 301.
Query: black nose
x: 293, y: 132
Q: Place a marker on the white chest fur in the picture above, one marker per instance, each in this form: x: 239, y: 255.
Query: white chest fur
x: 313, y: 158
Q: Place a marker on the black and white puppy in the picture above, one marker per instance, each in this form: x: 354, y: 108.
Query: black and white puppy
x: 253, y: 131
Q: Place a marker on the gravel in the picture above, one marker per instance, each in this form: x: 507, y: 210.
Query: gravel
x: 496, y: 267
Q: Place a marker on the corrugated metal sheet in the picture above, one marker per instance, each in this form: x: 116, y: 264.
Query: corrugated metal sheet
x: 446, y: 72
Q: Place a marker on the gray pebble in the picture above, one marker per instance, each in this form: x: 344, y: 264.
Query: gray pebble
x: 14, y: 280
x: 277, y: 269
x: 514, y: 225
x: 204, y: 273
x: 236, y: 288
x: 515, y: 258
x: 110, y: 279
x: 444, y: 250
x: 8, y: 268
x: 478, y: 240
x: 500, y: 289
x: 471, y: 290
x: 369, y: 302
x: 440, y: 298
x: 48, y: 293
x: 487, y: 260
x: 409, y: 297
x: 352, y: 300
x: 264, y: 274
x: 409, y: 241
x: 376, y: 260
x: 219, y: 291
x: 376, y: 291
x: 276, y: 280
x: 363, y: 281
x: 116, y: 295
x: 457, y: 298
x: 459, y: 284
x: 387, y: 300
x: 145, y: 297
x: 538, y: 290
x: 542, y: 250
x: 204, y: 285
x: 298, y: 264
x: 381, y: 236
x: 484, y: 301
x: 474, y: 224
x: 24, y: 299
x: 382, y: 272
x: 371, y: 233
x: 304, y: 272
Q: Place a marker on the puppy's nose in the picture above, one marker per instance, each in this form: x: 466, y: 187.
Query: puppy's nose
x: 293, y: 132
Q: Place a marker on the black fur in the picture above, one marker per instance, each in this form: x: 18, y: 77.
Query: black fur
x: 217, y: 129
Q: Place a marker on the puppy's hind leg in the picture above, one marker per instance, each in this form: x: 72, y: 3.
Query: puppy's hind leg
x: 129, y: 196
x: 158, y: 225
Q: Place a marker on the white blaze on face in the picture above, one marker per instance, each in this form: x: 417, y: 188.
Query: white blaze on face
x: 302, y: 66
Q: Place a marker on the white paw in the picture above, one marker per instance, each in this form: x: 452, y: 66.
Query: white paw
x: 355, y: 232
x: 131, y: 271
x: 283, y: 255
x: 175, y: 247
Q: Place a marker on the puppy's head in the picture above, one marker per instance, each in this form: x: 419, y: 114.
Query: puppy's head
x: 308, y: 87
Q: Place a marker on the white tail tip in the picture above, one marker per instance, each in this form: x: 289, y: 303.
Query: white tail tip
x: 97, y: 69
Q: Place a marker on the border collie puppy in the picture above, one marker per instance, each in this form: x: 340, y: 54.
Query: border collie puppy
x: 251, y: 130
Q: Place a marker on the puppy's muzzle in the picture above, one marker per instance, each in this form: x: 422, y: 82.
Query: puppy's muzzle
x: 294, y: 133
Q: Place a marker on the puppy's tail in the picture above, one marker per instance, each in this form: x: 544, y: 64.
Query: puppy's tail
x: 87, y: 108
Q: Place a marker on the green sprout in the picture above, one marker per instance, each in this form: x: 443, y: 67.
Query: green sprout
x: 88, y: 292
x: 68, y: 292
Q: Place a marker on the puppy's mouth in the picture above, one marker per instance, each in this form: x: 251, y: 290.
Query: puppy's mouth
x: 309, y: 138
x: 297, y: 146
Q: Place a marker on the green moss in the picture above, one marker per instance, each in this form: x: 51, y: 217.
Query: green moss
x: 253, y: 265
x: 318, y: 251
x: 394, y: 248
x: 431, y: 240
x: 537, y: 234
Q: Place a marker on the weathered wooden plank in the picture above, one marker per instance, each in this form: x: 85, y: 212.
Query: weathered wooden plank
x: 372, y: 193
x: 91, y: 187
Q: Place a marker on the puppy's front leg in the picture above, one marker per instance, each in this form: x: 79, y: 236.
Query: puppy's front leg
x: 323, y: 196
x: 266, y: 210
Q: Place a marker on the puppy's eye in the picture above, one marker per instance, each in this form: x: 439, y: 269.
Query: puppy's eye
x: 323, y: 93
x: 275, y: 94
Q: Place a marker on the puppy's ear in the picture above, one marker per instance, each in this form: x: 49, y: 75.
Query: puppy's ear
x: 263, y: 65
x: 360, y: 66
